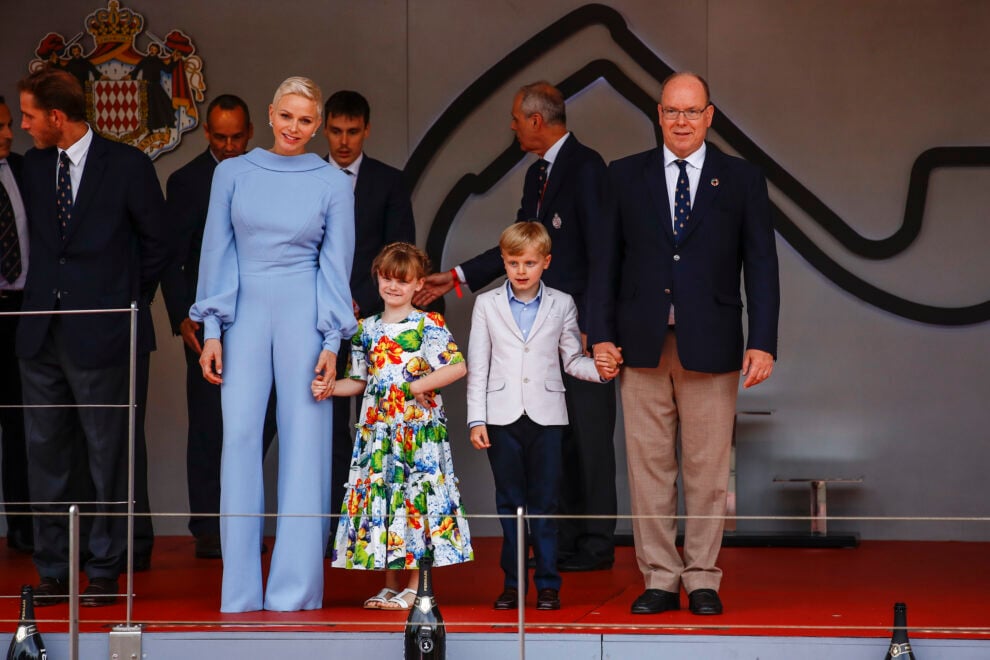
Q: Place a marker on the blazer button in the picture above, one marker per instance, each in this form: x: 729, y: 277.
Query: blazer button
x: 526, y: 350
x: 525, y: 380
x: 62, y: 260
x: 667, y: 291
x: 677, y: 257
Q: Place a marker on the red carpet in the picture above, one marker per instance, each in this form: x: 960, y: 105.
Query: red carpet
x: 766, y: 591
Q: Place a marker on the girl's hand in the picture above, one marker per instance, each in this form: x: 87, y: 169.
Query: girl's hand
x: 321, y: 389
x: 423, y: 398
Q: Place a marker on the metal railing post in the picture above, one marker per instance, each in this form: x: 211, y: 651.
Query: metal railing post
x: 522, y: 578
x: 74, y: 582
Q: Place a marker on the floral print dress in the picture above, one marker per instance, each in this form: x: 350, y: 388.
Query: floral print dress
x: 402, y: 499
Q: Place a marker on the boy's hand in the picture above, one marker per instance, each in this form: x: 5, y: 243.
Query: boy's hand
x: 608, y: 357
x: 479, y: 437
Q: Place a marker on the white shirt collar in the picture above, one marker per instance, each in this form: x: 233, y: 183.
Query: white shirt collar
x: 77, y: 152
x: 354, y: 167
x: 696, y: 159
x: 551, y: 154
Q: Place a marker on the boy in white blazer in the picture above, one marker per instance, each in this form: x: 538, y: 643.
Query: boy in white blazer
x: 521, y: 334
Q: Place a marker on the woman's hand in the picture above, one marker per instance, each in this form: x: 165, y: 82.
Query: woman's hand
x: 326, y: 375
x: 211, y: 361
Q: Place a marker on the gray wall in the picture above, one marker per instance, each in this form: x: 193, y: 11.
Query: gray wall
x: 843, y: 94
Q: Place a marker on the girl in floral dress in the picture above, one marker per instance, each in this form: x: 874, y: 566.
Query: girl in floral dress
x: 402, y: 500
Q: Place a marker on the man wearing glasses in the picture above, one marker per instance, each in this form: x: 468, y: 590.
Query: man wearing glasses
x: 681, y: 224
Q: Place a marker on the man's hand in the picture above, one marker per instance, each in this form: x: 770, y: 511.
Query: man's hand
x: 479, y: 437
x: 757, y: 366
x: 436, y: 286
x: 211, y: 361
x: 187, y: 330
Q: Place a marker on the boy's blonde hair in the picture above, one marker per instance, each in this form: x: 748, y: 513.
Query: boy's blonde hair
x: 519, y: 236
x: 401, y: 261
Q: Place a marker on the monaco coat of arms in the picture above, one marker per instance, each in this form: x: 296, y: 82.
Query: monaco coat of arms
x: 144, y: 98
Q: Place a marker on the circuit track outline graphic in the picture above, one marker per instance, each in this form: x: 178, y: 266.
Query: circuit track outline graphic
x: 819, y: 212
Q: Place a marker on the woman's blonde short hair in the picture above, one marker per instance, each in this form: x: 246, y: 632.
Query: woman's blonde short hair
x: 303, y: 87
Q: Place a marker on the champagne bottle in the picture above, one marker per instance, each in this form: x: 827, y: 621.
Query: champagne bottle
x: 27, y: 643
x: 426, y: 637
x: 900, y: 646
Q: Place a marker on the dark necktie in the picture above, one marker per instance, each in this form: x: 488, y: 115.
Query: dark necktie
x: 541, y: 181
x: 63, y: 195
x: 10, y: 246
x: 682, y: 201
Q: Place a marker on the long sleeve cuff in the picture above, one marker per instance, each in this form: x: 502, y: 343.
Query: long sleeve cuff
x: 211, y: 328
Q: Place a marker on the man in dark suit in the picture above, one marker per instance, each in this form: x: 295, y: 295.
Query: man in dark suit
x: 97, y: 241
x: 563, y: 190
x: 13, y: 273
x: 682, y: 222
x: 228, y: 130
x: 382, y: 215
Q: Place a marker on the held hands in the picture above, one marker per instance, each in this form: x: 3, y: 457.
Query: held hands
x: 436, y: 286
x: 211, y: 361
x: 187, y: 330
x: 479, y: 437
x: 608, y: 357
x: 757, y: 366
x: 326, y: 375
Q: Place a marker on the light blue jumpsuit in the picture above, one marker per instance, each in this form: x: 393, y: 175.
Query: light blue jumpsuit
x: 274, y: 273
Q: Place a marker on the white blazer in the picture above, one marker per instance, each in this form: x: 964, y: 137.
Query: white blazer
x: 508, y: 376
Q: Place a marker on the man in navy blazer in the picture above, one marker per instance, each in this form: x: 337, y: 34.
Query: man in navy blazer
x: 683, y: 221
x: 563, y: 190
x: 20, y: 536
x: 100, y: 245
x: 228, y: 130
x: 382, y: 214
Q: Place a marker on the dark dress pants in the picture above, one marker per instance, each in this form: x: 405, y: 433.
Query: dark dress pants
x: 205, y: 444
x: 54, y: 436
x: 589, y: 463
x: 525, y: 460
x: 13, y: 459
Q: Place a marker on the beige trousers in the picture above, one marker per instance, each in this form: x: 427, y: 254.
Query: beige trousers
x: 655, y: 402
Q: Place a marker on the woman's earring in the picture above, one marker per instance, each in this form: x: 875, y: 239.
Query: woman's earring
x: 270, y: 123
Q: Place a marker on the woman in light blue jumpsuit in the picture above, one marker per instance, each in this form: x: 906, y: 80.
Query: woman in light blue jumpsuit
x: 274, y: 273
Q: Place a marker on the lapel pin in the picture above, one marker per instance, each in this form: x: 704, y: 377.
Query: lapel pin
x: 714, y: 183
x: 556, y: 221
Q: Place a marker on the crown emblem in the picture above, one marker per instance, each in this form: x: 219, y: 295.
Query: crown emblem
x: 114, y: 25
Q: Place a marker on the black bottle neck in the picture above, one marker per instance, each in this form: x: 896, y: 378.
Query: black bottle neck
x: 425, y: 589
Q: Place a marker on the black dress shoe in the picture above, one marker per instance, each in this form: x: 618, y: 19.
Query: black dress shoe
x: 548, y: 599
x: 51, y: 591
x: 20, y: 540
x: 655, y: 601
x: 99, y: 592
x: 208, y: 546
x: 577, y: 563
x: 705, y: 601
x: 507, y: 600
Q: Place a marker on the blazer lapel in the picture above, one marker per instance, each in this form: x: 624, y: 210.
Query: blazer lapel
x: 542, y: 313
x: 707, y: 190
x: 96, y: 165
x: 656, y: 183
x: 505, y: 312
x: 558, y: 173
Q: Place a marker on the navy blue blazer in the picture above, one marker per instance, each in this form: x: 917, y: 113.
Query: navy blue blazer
x: 114, y: 251
x: 382, y: 214
x: 639, y: 272
x: 187, y: 200
x: 571, y: 212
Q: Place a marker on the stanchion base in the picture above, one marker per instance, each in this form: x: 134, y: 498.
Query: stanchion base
x: 125, y: 642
